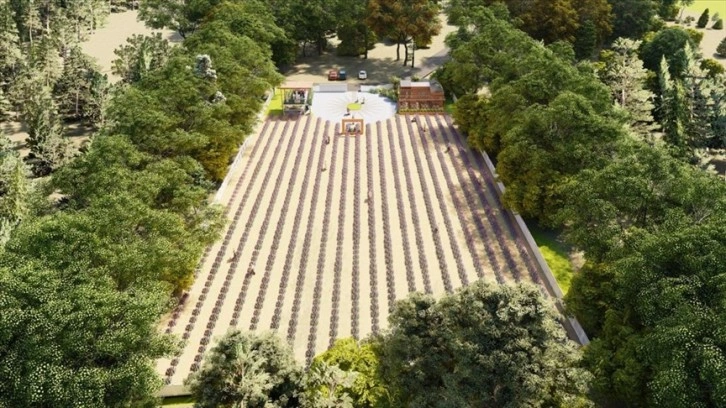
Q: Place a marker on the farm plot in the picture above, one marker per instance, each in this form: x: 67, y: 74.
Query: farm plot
x: 325, y: 232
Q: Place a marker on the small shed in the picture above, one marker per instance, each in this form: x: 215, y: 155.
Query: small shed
x: 296, y: 97
x: 421, y: 96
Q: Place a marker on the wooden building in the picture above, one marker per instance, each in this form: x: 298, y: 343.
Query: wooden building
x: 424, y: 96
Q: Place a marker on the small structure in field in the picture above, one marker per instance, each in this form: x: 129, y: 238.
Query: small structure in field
x: 296, y: 97
x: 423, y: 96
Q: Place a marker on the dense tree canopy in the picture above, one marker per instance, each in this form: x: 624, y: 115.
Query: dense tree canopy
x: 404, y: 21
x: 70, y: 339
x: 249, y: 370
x: 484, y: 345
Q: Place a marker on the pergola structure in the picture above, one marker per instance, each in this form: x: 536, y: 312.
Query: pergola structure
x: 296, y: 97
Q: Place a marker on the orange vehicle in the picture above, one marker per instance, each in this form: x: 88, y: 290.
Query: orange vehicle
x: 332, y: 75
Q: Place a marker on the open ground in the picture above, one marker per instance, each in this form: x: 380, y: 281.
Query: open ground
x: 326, y: 231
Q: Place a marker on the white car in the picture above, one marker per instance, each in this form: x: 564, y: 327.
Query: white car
x: 362, y: 75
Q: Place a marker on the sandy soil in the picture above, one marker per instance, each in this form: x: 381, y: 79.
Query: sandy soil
x: 100, y: 46
x: 304, y: 271
x: 118, y: 28
x: 711, y: 38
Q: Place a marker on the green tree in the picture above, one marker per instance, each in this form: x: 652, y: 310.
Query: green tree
x: 11, y: 56
x: 669, y: 43
x: 672, y: 108
x: 81, y: 91
x: 247, y: 370
x: 45, y: 135
x: 550, y: 144
x: 703, y: 19
x: 367, y: 390
x: 585, y: 40
x: 484, y: 345
x: 632, y: 18
x: 121, y: 235
x: 71, y: 340
x: 626, y: 77
x: 326, y: 387
x: 658, y: 345
x: 404, y: 21
x: 140, y: 55
x: 183, y: 17
x: 721, y: 49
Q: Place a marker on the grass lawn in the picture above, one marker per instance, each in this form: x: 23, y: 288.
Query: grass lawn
x: 555, y: 254
x: 177, y: 401
x: 713, y: 6
x: 275, y: 106
x: 449, y: 106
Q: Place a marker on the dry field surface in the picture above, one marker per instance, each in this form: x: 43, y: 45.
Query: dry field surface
x: 325, y: 232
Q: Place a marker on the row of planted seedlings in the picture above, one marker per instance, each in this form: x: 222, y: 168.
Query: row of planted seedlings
x: 234, y: 262
x: 508, y: 216
x: 423, y: 265
x: 287, y: 266
x: 387, y: 247
x: 355, y: 271
x: 459, y: 207
x: 277, y: 235
x: 489, y: 206
x: 320, y: 265
x: 372, y: 268
x: 250, y: 272
x: 220, y: 254
x: 339, y: 246
x: 430, y: 213
x: 307, y: 240
x: 456, y: 252
x: 407, y: 261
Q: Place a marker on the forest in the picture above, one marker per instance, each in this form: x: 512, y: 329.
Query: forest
x: 604, y: 121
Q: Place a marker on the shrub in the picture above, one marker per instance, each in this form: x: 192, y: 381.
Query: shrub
x: 718, y: 25
x: 721, y: 50
x: 696, y: 36
x: 712, y: 67
x: 703, y: 20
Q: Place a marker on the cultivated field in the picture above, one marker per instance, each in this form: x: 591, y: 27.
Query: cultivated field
x: 326, y: 231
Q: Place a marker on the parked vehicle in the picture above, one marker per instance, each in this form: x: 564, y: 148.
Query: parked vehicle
x: 362, y: 75
x: 332, y: 75
x: 342, y: 75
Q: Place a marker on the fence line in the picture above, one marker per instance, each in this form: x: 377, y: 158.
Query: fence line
x: 243, y: 147
x: 572, y: 326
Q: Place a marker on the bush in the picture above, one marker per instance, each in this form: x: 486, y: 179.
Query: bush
x: 721, y: 50
x: 718, y: 25
x: 712, y: 67
x: 703, y: 20
x: 696, y: 36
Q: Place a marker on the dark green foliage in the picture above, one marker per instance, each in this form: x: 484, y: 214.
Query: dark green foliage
x: 662, y: 341
x: 718, y: 25
x: 585, y: 40
x: 703, y: 19
x: 140, y: 55
x: 81, y: 91
x: 68, y: 338
x: 632, y: 18
x: 721, y: 49
x: 482, y: 346
x: 669, y: 43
